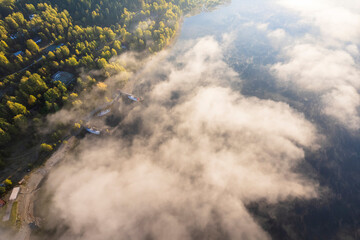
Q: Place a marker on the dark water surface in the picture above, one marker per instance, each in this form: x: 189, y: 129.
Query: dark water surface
x: 336, y: 215
x: 336, y: 166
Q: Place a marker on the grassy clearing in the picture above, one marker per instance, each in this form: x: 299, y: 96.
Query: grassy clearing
x: 13, y: 215
x: 13, y: 221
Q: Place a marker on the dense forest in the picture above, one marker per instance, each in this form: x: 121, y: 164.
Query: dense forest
x: 43, y: 44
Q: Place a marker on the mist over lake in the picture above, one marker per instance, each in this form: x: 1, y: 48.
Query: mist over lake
x: 244, y: 126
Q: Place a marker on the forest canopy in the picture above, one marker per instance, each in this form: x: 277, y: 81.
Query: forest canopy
x: 44, y: 43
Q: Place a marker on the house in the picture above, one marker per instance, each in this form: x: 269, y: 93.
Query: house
x: 18, y: 53
x: 64, y: 77
x: 53, y: 47
x: 14, y: 193
x: 37, y: 40
x: 93, y: 131
x: 103, y: 113
x: 135, y: 99
x: 21, y: 181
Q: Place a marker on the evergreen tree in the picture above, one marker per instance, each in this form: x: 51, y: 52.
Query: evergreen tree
x: 32, y: 46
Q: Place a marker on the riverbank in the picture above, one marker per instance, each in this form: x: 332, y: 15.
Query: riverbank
x: 28, y: 190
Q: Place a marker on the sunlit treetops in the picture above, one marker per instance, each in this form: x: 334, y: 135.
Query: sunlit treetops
x: 39, y: 38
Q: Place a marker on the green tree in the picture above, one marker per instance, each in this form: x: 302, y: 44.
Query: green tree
x: 58, y: 54
x: 72, y: 62
x: 3, y: 33
x: 8, y: 182
x: 147, y: 34
x: 30, y: 8
x: 54, y: 64
x: 73, y: 96
x: 87, y: 61
x: 33, y: 85
x: 7, y: 5
x: 4, y: 62
x: 139, y: 33
x: 4, y: 137
x: 19, y: 18
x: 28, y: 53
x: 3, y: 46
x: 110, y: 34
x: 65, y: 51
x: 117, y: 45
x: 17, y: 108
x: 19, y: 59
x: 11, y: 22
x: 32, y: 46
x: 113, y: 52
x: 46, y: 147
x: 60, y: 29
x: 20, y: 121
x: 31, y: 100
x: 101, y: 62
x: 52, y: 95
x: 7, y: 127
x: 61, y: 86
x: 106, y: 55
x: 51, y: 55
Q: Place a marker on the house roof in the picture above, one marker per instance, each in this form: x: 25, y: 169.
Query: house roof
x: 18, y: 53
x: 37, y: 39
x: 14, y: 193
x: 64, y: 77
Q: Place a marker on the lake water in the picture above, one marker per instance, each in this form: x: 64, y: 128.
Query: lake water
x: 238, y: 137
x: 256, y: 45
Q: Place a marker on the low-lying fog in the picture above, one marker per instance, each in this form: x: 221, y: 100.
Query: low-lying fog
x: 185, y: 162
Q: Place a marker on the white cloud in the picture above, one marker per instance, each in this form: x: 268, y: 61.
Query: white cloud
x: 262, y: 26
x: 352, y: 49
x: 278, y: 34
x: 343, y: 104
x: 338, y: 20
x: 194, y: 164
x: 332, y: 74
x: 324, y: 63
x: 315, y: 68
x: 277, y: 37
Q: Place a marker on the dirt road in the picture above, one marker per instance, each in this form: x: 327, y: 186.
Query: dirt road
x: 28, y: 191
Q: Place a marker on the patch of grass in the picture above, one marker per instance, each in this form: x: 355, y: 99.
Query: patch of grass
x: 13, y: 221
x: 13, y: 215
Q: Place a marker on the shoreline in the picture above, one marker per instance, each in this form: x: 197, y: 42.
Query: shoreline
x: 34, y: 180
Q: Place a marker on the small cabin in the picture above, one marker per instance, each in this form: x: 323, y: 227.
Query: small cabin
x: 37, y: 40
x: 14, y: 193
x: 18, y: 53
x: 64, y: 77
x: 93, y: 131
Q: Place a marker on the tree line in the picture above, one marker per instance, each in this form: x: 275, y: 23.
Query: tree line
x: 41, y: 38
